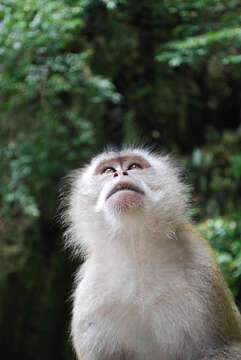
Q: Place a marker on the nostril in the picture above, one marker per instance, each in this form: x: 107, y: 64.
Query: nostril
x: 125, y: 173
x: 115, y: 174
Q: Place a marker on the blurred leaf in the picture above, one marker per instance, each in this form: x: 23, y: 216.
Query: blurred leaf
x: 236, y: 166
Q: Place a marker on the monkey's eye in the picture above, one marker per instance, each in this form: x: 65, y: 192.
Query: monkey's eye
x: 108, y: 170
x: 134, y: 166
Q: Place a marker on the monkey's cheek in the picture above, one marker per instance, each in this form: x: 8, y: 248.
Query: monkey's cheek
x: 124, y: 200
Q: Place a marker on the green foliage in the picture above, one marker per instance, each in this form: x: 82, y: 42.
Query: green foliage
x: 216, y: 172
x: 200, y: 37
x: 44, y: 59
x: 32, y: 163
x: 224, y: 235
x: 236, y: 166
x: 195, y: 48
x: 48, y: 88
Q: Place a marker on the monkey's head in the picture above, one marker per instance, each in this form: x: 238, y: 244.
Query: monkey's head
x: 128, y: 188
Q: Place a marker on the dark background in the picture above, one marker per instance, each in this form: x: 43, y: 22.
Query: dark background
x: 78, y: 75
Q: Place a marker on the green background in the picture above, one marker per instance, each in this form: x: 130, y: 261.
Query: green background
x: 78, y: 75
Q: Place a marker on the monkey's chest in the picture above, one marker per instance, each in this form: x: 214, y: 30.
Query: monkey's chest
x: 141, y: 315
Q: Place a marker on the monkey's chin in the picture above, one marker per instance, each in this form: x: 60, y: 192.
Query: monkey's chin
x: 125, y: 200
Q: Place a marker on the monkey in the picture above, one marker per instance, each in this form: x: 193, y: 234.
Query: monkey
x: 150, y: 287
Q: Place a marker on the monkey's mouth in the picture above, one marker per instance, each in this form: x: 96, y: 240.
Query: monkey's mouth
x: 124, y: 187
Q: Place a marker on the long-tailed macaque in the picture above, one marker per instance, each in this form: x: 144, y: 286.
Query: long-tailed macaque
x: 150, y: 287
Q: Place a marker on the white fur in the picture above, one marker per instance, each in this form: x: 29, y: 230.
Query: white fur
x: 128, y: 290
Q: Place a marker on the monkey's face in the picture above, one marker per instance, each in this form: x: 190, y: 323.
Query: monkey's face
x: 122, y: 185
x: 131, y: 181
x: 127, y: 189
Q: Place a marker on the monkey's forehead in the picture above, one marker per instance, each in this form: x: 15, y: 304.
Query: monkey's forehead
x: 158, y: 161
x: 128, y: 152
x: 105, y: 156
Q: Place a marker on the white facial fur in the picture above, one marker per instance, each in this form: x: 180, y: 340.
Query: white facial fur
x: 163, y: 201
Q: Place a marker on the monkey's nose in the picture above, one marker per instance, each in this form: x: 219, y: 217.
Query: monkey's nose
x: 117, y: 173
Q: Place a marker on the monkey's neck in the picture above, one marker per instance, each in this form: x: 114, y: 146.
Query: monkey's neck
x: 140, y: 244
x: 129, y: 265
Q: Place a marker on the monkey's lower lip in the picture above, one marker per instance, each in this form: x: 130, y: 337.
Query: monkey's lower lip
x: 124, y: 187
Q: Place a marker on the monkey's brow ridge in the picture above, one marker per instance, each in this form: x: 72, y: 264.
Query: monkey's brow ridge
x: 121, y: 159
